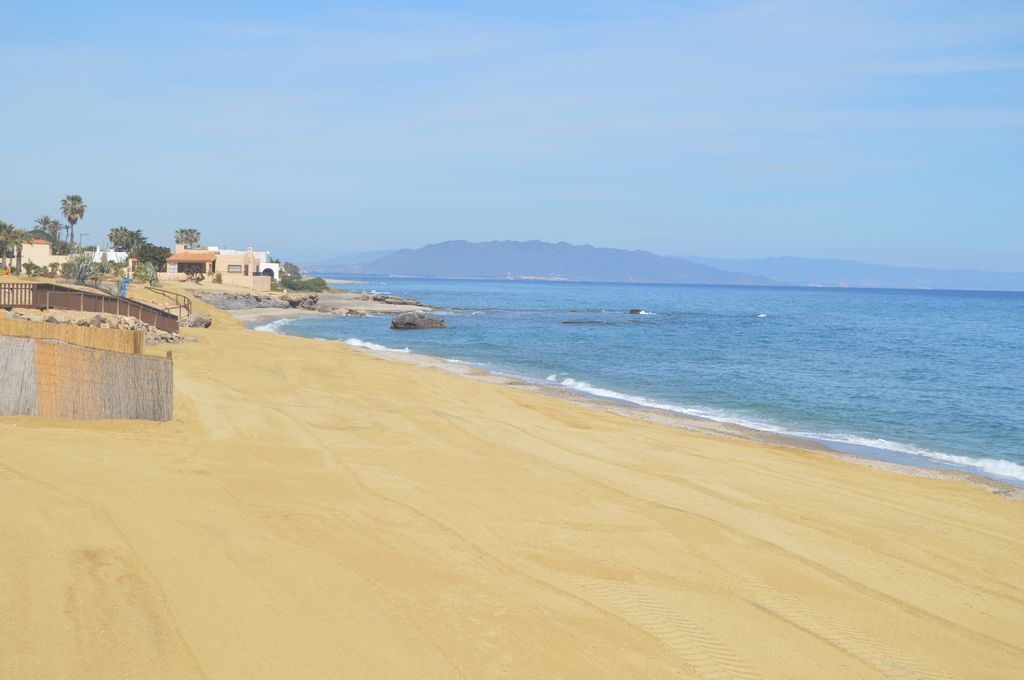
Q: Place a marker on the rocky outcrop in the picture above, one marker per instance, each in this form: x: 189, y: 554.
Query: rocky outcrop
x: 392, y: 299
x: 232, y: 301
x: 408, y: 321
x: 196, y: 321
x: 308, y: 301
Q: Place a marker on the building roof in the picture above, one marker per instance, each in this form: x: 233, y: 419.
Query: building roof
x: 39, y: 242
x: 193, y: 256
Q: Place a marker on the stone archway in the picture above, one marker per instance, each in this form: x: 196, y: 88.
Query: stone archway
x: 268, y: 272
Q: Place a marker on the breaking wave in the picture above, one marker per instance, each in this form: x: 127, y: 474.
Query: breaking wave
x: 990, y: 466
x: 356, y: 342
x: 273, y: 326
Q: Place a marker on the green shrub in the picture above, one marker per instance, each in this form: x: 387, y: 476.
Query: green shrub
x: 32, y: 269
x: 81, y: 269
x: 315, y: 285
x: 145, y: 271
x: 217, y: 278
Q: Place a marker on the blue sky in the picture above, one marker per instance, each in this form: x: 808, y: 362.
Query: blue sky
x: 890, y: 132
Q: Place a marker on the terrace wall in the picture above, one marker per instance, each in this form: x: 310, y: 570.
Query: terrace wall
x: 111, y: 339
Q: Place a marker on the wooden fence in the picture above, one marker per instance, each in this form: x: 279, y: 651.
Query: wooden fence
x: 111, y: 339
x: 55, y: 296
x: 53, y: 379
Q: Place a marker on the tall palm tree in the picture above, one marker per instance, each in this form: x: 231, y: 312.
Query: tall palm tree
x: 6, y: 235
x: 18, y: 241
x: 189, y: 238
x: 73, y: 208
x: 50, y: 227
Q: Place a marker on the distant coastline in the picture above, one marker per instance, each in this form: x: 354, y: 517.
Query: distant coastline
x: 343, y: 278
x: 537, y: 260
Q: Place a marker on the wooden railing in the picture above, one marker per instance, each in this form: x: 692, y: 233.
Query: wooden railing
x: 16, y: 294
x: 54, y: 296
x: 182, y: 303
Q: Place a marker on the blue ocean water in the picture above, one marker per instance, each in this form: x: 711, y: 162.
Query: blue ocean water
x: 933, y: 378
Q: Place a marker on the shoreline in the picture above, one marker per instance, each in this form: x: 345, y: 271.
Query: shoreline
x: 316, y: 508
x: 901, y: 462
x: 338, y: 302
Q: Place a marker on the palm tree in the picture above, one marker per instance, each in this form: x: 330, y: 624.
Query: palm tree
x: 118, y: 236
x: 73, y: 208
x: 125, y: 239
x: 50, y: 227
x: 189, y: 238
x: 6, y: 236
x: 18, y: 241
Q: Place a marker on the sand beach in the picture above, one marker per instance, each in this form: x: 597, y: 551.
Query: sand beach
x: 315, y: 511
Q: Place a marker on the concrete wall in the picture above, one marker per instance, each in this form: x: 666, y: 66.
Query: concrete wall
x: 257, y: 283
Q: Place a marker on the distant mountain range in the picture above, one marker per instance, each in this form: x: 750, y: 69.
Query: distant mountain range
x: 563, y: 261
x: 540, y: 260
x: 802, y: 271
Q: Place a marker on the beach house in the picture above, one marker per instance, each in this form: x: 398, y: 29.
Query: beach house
x: 40, y: 252
x: 246, y: 268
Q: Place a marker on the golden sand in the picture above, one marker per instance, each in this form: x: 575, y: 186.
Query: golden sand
x: 315, y: 512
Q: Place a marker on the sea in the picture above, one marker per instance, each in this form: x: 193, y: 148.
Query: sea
x: 917, y: 377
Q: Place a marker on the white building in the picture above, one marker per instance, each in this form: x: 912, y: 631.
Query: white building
x: 112, y: 255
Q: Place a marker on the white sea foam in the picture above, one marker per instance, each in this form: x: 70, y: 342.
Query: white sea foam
x: 273, y: 326
x: 990, y: 466
x: 356, y: 342
x: 644, y: 312
x: 761, y: 316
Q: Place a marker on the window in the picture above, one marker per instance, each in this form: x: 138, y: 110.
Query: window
x: 234, y: 269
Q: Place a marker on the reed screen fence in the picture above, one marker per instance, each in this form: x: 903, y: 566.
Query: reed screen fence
x: 53, y: 379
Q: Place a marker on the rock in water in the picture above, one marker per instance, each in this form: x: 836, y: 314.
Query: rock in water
x: 415, y: 320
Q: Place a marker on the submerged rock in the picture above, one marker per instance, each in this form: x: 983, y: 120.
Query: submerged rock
x: 416, y: 320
